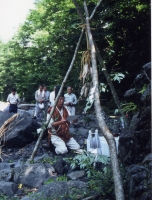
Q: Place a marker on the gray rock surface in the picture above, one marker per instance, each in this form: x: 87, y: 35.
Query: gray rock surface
x: 8, y: 188
x: 5, y: 172
x: 76, y: 174
x: 148, y: 158
x: 83, y: 132
x: 38, y: 159
x: 61, y: 190
x: 31, y: 175
x: 21, y: 130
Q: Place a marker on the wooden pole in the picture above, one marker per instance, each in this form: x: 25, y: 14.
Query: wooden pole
x: 108, y: 136
x: 60, y: 91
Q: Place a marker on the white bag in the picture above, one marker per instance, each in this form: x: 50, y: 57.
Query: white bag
x: 41, y: 105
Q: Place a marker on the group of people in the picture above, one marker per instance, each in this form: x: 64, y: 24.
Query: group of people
x: 45, y: 99
x: 58, y: 127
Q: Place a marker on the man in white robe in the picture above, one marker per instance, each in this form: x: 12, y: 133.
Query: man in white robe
x: 70, y: 100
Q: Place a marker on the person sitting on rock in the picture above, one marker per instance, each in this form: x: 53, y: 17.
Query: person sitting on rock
x: 13, y: 99
x: 40, y: 99
x: 58, y: 128
x: 70, y: 100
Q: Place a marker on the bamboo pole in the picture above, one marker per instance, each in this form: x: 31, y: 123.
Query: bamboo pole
x: 108, y: 136
x: 60, y: 91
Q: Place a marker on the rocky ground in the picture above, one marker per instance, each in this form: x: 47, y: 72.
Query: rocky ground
x: 50, y: 176
x: 17, y: 179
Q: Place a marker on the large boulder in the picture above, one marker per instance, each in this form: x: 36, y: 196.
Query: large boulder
x: 21, y: 131
x: 134, y: 143
x: 32, y: 175
x: 57, y: 190
x: 8, y: 188
x: 5, y: 172
x: 138, y: 185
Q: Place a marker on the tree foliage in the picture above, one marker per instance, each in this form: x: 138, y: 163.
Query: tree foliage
x: 42, y: 49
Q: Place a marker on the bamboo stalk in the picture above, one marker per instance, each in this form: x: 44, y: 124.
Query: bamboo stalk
x: 60, y: 91
x: 108, y: 136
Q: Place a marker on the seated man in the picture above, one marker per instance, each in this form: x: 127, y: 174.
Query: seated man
x: 58, y: 128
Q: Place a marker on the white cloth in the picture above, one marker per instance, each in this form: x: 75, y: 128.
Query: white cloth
x: 41, y: 93
x: 40, y: 96
x: 61, y: 146
x: 13, y: 99
x: 51, y: 98
x: 70, y: 98
x: 37, y: 110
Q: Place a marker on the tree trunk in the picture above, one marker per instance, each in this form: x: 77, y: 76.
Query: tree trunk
x: 60, y: 91
x: 108, y: 136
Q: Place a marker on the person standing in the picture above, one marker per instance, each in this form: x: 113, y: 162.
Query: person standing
x: 47, y: 96
x: 52, y: 97
x: 13, y: 99
x: 40, y: 100
x: 70, y: 100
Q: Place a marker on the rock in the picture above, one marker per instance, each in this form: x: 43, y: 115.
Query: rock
x: 83, y: 132
x: 130, y: 92
x: 31, y: 175
x: 77, y: 187
x: 147, y: 69
x: 76, y: 174
x: 148, y: 158
x: 147, y: 94
x: 134, y: 121
x: 22, y: 132
x: 137, y: 176
x: 134, y: 142
x: 4, y: 166
x: 72, y: 130
x: 5, y: 172
x: 8, y: 188
x: 57, y: 190
x: 59, y: 166
x: 40, y: 158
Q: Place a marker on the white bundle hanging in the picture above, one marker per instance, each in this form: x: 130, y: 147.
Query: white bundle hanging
x: 93, y: 143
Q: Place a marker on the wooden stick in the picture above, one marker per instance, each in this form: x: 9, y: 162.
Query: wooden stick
x: 60, y: 91
x: 108, y: 136
x: 95, y: 9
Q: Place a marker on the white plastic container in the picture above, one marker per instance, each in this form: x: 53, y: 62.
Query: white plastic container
x: 104, y: 145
